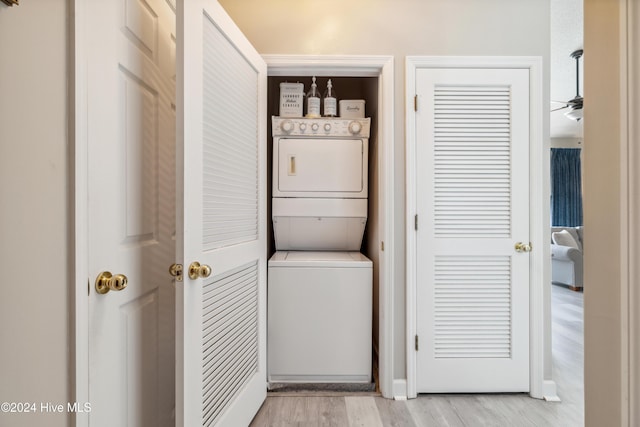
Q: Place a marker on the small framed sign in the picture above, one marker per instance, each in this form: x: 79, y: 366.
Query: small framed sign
x: 291, y: 95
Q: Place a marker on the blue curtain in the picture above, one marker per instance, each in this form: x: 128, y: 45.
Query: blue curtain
x: 566, y: 187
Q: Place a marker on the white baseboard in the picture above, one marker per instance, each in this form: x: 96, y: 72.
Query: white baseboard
x: 550, y: 391
x: 400, y: 389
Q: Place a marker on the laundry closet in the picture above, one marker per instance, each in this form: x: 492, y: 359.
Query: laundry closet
x: 323, y: 244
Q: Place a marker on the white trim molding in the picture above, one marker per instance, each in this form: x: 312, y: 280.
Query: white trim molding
x: 626, y: 208
x: 329, y: 65
x: 79, y: 147
x: 366, y: 66
x: 630, y: 212
x: 540, y: 299
x: 399, y: 390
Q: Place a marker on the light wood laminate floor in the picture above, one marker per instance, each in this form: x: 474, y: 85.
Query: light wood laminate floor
x: 513, y: 410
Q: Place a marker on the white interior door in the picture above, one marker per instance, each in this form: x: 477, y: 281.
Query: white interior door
x: 221, y: 156
x: 472, y: 163
x: 131, y: 212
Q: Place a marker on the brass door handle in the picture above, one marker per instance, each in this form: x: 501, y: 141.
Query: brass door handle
x: 523, y: 247
x: 196, y: 270
x: 106, y: 282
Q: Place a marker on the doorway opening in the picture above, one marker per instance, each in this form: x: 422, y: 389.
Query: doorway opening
x: 566, y: 141
x: 369, y: 79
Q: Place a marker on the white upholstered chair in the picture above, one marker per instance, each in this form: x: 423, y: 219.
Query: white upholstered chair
x: 566, y: 256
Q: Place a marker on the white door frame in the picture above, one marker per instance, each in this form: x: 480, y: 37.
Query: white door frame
x: 366, y: 66
x: 540, y: 288
x: 630, y: 231
x: 78, y: 113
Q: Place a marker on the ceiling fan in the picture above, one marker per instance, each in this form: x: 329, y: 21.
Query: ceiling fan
x: 574, y: 104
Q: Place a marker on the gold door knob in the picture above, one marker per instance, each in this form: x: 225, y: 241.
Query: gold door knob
x: 196, y: 270
x: 106, y: 282
x: 523, y: 247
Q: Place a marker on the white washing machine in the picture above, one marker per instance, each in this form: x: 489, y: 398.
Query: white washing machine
x: 319, y: 317
x: 319, y: 285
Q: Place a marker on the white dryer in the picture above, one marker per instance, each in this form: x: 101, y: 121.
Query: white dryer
x: 320, y: 183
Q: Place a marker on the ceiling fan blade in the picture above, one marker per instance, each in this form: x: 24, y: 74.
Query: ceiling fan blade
x: 561, y: 108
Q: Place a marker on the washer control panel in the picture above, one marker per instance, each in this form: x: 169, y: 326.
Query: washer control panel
x: 327, y: 127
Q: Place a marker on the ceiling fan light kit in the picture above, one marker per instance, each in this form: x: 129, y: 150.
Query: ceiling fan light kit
x: 575, y: 114
x: 575, y: 104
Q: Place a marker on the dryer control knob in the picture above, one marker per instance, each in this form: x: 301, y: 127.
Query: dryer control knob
x: 327, y: 127
x: 303, y: 127
x: 286, y: 126
x: 314, y: 127
x: 355, y: 127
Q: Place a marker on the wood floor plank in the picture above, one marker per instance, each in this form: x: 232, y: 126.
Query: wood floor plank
x: 394, y: 413
x: 323, y: 412
x: 472, y: 412
x: 568, y: 353
x: 527, y: 411
x: 362, y: 412
x: 435, y: 410
x: 278, y: 412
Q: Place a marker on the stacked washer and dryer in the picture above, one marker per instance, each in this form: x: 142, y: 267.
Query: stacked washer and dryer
x: 319, y: 284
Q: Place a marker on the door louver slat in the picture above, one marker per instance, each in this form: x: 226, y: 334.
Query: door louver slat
x: 472, y: 190
x: 230, y: 150
x: 472, y: 161
x: 472, y: 307
x: 229, y: 330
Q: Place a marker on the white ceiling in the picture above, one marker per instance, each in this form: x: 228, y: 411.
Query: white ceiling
x: 566, y: 37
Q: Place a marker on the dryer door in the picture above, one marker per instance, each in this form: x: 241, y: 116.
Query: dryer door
x: 320, y: 167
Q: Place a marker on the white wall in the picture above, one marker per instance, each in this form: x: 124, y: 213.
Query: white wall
x: 398, y: 28
x: 34, y: 245
x: 566, y: 143
x: 567, y: 35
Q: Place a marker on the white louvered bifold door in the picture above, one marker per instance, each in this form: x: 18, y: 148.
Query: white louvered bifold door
x: 472, y: 162
x: 221, y: 319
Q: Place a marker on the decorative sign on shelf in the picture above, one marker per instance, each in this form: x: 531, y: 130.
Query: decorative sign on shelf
x: 11, y: 2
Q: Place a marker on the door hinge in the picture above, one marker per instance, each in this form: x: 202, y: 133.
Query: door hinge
x: 415, y: 223
x: 382, y: 246
x: 415, y: 103
x: 416, y: 343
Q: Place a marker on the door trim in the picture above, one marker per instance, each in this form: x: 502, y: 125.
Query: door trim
x: 366, y: 66
x: 630, y: 232
x: 79, y: 324
x: 542, y: 386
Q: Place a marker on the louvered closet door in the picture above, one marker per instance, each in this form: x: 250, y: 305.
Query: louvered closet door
x: 221, y: 319
x: 472, y: 129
